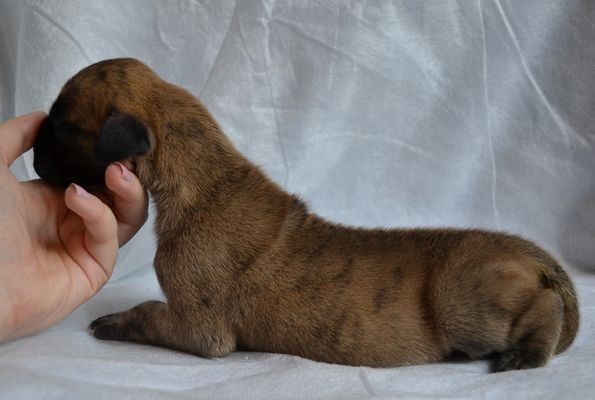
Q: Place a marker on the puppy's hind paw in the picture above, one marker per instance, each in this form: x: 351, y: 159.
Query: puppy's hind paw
x: 514, y: 359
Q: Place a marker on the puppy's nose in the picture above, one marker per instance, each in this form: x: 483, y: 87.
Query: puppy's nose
x: 41, y: 166
x: 45, y: 170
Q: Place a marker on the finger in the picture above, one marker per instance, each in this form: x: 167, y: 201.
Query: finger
x: 18, y: 134
x: 130, y: 200
x: 100, y: 237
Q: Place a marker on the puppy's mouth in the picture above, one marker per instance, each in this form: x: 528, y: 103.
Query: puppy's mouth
x: 64, y: 176
x: 51, y: 171
x: 85, y: 179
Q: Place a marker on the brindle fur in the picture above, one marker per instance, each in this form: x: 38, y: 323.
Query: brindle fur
x: 243, y: 264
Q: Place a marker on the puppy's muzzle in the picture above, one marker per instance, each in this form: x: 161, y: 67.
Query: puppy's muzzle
x: 62, y: 165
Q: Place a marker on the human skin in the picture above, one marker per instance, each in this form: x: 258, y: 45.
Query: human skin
x: 57, y: 247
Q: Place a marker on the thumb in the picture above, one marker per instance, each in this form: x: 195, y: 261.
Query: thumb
x: 17, y: 135
x: 100, y: 236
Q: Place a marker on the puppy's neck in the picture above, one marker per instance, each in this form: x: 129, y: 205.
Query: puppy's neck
x: 193, y: 168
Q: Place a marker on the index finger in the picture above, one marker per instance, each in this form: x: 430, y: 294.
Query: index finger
x: 18, y: 134
x: 130, y: 200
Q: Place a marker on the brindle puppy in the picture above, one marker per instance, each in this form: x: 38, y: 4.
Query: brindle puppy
x: 243, y: 264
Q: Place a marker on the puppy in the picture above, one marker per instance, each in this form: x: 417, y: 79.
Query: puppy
x: 245, y: 265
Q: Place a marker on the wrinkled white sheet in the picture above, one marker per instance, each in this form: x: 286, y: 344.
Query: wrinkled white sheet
x: 404, y: 113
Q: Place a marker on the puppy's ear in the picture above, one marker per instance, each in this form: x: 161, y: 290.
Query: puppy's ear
x: 121, y: 136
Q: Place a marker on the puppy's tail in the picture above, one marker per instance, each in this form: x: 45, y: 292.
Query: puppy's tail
x: 554, y: 277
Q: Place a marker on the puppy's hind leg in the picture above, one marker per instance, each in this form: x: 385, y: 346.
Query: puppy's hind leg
x: 534, y: 335
x: 153, y: 322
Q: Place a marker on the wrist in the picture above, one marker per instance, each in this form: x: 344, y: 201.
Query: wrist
x: 5, y: 326
x: 8, y: 326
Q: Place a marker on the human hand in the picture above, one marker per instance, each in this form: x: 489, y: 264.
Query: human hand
x: 57, y: 248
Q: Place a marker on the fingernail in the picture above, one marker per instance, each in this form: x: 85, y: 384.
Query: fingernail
x: 80, y: 192
x: 126, y: 175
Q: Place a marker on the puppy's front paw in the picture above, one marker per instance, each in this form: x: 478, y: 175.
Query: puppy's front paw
x: 110, y: 327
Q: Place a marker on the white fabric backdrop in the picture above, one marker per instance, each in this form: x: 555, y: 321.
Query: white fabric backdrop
x: 403, y: 113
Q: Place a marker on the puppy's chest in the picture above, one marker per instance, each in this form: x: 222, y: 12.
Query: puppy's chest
x: 195, y: 259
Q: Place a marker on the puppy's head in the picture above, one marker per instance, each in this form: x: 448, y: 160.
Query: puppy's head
x: 99, y: 117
